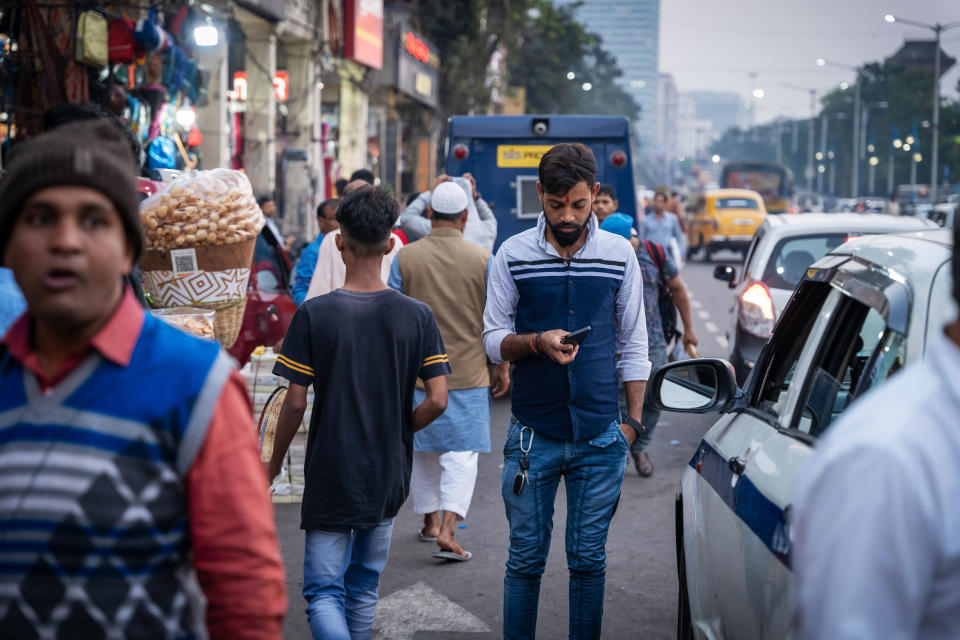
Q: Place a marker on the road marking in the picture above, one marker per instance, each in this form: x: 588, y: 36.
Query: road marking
x: 696, y: 304
x: 419, y: 608
x: 703, y: 315
x: 722, y: 342
x: 712, y: 328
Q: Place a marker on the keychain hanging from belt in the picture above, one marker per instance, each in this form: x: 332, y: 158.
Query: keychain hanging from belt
x: 522, y: 478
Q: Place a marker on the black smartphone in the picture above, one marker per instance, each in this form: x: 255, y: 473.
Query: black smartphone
x: 577, y: 337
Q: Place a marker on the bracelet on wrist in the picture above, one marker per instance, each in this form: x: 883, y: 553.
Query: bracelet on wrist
x: 533, y: 343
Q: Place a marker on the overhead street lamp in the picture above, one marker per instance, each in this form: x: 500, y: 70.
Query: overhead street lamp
x: 937, y: 30
x: 865, y: 119
x: 855, y: 173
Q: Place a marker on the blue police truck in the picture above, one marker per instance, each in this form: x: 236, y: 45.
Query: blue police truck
x: 503, y: 153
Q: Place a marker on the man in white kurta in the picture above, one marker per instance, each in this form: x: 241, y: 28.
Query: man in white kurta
x: 877, y: 521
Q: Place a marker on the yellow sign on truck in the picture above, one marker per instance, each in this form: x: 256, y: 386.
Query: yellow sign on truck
x: 521, y: 155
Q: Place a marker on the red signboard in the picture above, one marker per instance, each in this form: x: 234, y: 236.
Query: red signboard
x: 281, y: 86
x: 363, y: 32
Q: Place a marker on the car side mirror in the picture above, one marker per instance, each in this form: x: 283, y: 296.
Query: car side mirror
x: 725, y: 272
x: 701, y: 385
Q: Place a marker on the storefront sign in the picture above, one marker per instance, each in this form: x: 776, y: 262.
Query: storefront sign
x: 521, y: 156
x: 363, y: 32
x: 281, y: 86
x: 417, y: 65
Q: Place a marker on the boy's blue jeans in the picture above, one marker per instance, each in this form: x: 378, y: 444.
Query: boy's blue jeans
x: 341, y: 577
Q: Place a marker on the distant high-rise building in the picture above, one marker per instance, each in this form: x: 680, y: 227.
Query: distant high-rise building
x: 630, y: 30
x: 724, y: 109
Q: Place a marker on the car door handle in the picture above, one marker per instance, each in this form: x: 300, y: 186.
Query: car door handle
x: 737, y: 466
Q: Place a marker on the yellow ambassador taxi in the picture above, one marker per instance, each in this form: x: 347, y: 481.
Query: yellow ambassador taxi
x: 724, y: 219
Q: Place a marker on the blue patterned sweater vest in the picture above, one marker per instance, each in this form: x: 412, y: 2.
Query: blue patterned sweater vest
x: 94, y: 537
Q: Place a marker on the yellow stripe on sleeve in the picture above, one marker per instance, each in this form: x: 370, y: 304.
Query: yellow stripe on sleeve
x: 301, y: 368
x: 436, y: 359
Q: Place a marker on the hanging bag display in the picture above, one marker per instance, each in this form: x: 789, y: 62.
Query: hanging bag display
x: 123, y: 48
x: 92, y: 40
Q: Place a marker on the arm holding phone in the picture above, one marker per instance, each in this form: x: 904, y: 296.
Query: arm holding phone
x: 549, y: 343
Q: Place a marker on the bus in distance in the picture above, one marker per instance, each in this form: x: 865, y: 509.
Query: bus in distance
x: 774, y: 182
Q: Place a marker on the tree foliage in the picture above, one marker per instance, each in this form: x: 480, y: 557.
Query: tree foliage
x: 541, y: 43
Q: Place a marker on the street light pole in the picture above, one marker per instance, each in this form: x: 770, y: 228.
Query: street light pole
x: 935, y: 152
x: 810, y: 170
x: 855, y: 173
x: 937, y: 29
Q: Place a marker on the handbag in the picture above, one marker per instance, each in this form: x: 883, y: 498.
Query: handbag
x: 92, y: 39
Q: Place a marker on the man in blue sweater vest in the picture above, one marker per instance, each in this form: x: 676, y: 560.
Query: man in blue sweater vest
x: 129, y: 471
x: 563, y: 275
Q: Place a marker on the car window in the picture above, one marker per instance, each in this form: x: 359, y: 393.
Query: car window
x: 791, y: 258
x: 736, y: 203
x: 751, y: 252
x: 781, y: 358
x: 858, y: 354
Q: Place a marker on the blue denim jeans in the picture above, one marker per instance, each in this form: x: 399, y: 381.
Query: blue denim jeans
x: 341, y: 576
x: 593, y: 473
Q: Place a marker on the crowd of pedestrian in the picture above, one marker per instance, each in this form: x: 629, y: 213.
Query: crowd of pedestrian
x: 133, y: 498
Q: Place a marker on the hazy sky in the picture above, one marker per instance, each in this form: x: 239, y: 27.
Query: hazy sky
x: 715, y: 44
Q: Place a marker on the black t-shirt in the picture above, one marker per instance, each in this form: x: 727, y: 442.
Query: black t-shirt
x: 363, y: 353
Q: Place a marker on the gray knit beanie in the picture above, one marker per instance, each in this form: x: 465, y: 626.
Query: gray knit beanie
x: 89, y: 153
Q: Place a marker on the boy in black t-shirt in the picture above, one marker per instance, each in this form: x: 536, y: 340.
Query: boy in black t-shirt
x: 362, y: 348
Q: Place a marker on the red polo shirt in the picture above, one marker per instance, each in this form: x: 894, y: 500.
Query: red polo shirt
x: 232, y: 531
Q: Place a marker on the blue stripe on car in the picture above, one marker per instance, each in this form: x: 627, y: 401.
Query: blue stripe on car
x: 759, y: 513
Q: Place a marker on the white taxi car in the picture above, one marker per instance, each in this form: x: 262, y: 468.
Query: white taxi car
x: 859, y: 315
x: 781, y: 251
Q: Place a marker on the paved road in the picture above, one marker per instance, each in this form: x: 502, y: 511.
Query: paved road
x: 425, y: 600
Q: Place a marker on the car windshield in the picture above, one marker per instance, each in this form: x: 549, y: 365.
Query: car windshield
x: 735, y: 203
x: 792, y: 256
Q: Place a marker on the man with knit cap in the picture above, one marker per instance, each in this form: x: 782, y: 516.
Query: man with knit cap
x: 128, y: 471
x: 449, y: 273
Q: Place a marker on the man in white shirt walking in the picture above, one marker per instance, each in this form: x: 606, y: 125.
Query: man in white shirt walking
x: 877, y: 522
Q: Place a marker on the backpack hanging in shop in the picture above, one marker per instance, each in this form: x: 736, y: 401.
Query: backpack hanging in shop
x: 92, y: 40
x: 123, y: 47
x: 665, y: 304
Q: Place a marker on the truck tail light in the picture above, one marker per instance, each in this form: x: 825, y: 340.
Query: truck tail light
x: 461, y: 151
x: 618, y: 159
x: 756, y: 310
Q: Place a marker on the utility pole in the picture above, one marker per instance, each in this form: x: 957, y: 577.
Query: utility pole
x: 890, y: 167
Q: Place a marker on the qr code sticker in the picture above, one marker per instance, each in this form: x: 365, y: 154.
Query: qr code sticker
x: 184, y: 261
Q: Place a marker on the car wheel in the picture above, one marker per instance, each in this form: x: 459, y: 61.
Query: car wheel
x: 684, y: 624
